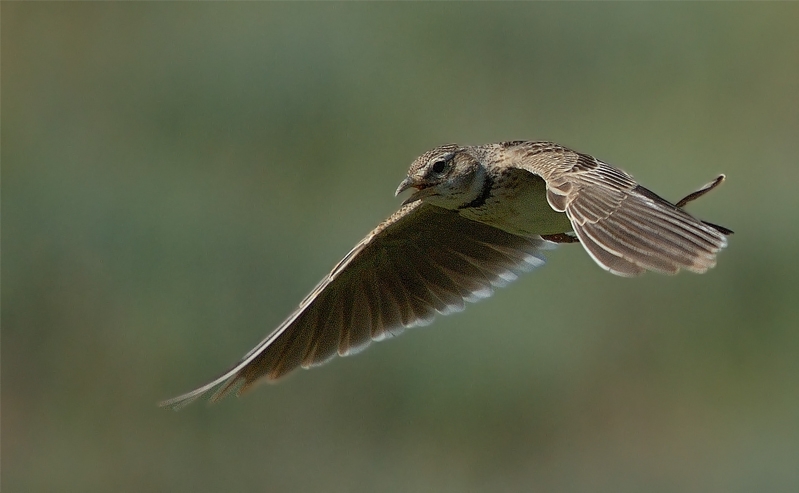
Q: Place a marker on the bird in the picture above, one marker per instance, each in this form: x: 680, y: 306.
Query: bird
x: 478, y: 217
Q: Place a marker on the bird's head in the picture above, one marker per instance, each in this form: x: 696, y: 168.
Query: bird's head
x: 447, y: 176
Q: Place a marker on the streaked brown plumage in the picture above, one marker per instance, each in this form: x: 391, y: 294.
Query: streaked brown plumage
x: 480, y: 215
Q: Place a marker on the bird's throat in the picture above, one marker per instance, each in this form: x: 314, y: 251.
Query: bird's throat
x: 485, y: 193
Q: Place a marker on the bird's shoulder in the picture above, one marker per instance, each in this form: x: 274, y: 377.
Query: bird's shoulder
x: 560, y: 166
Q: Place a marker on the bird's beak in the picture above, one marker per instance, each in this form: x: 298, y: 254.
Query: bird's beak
x: 420, y: 193
x: 406, y: 184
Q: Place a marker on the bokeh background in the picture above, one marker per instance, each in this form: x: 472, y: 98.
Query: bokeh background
x: 176, y: 177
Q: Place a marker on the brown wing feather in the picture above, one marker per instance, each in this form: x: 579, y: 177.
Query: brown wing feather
x: 422, y: 261
x: 624, y: 227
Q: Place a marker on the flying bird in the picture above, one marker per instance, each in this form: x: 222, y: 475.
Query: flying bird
x: 477, y: 217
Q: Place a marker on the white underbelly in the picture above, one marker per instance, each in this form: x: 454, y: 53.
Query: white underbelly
x: 519, y: 205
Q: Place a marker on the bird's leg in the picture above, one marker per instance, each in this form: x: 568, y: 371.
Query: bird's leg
x: 705, y: 189
x: 561, y: 238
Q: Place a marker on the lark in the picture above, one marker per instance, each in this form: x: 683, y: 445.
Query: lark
x: 478, y: 217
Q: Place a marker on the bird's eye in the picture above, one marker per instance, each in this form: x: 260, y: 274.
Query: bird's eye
x: 439, y: 166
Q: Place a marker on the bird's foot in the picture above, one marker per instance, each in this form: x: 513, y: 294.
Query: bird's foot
x: 561, y: 238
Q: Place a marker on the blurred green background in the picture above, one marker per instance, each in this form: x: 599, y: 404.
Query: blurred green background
x: 176, y: 177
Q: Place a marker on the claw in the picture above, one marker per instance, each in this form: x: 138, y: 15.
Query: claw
x: 561, y: 238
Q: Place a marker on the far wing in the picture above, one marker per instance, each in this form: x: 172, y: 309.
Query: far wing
x: 626, y: 228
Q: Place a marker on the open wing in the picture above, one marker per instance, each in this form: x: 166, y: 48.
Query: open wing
x: 624, y: 227
x: 421, y: 261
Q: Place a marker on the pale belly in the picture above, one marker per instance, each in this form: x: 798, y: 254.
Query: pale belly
x: 519, y: 205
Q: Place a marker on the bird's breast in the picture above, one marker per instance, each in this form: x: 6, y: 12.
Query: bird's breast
x: 517, y: 203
